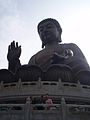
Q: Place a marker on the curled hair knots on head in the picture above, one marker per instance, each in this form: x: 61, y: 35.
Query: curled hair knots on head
x: 51, y: 20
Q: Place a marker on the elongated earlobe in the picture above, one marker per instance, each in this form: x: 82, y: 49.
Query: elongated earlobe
x: 43, y: 45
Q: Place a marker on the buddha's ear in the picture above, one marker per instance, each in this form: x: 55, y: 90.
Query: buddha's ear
x: 59, y: 39
x: 43, y: 45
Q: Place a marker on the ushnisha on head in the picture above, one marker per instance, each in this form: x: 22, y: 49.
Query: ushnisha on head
x: 49, y: 30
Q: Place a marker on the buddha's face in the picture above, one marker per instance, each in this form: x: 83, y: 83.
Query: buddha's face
x: 48, y: 32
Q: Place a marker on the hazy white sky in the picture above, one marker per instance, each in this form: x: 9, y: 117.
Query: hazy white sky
x: 19, y: 19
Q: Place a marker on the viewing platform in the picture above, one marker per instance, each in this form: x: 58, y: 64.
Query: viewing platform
x: 71, y: 101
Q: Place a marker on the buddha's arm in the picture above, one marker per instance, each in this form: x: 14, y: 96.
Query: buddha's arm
x: 14, y: 52
x: 77, y: 52
x: 14, y: 65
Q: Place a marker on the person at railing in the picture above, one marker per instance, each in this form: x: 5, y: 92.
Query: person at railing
x: 48, y: 101
x: 38, y: 102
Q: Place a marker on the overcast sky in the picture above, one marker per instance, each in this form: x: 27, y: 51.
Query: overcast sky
x: 19, y: 19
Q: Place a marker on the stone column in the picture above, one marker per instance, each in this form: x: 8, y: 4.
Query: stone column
x: 28, y: 109
x: 63, y: 108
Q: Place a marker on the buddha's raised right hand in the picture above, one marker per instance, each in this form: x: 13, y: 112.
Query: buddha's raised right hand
x: 14, y: 51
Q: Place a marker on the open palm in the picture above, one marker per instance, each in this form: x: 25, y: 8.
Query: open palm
x: 14, y: 51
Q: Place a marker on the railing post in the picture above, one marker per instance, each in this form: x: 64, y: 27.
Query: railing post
x: 28, y: 109
x: 79, y: 85
x: 1, y: 85
x: 63, y: 108
x: 39, y: 83
x: 19, y: 84
x: 60, y: 83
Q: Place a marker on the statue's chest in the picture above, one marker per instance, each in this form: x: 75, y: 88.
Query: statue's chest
x: 46, y: 55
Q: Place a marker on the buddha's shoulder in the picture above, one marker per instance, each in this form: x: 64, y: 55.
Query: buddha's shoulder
x: 69, y: 45
x: 41, y: 52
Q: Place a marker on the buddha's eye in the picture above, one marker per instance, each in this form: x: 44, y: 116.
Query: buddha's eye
x: 41, y: 29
